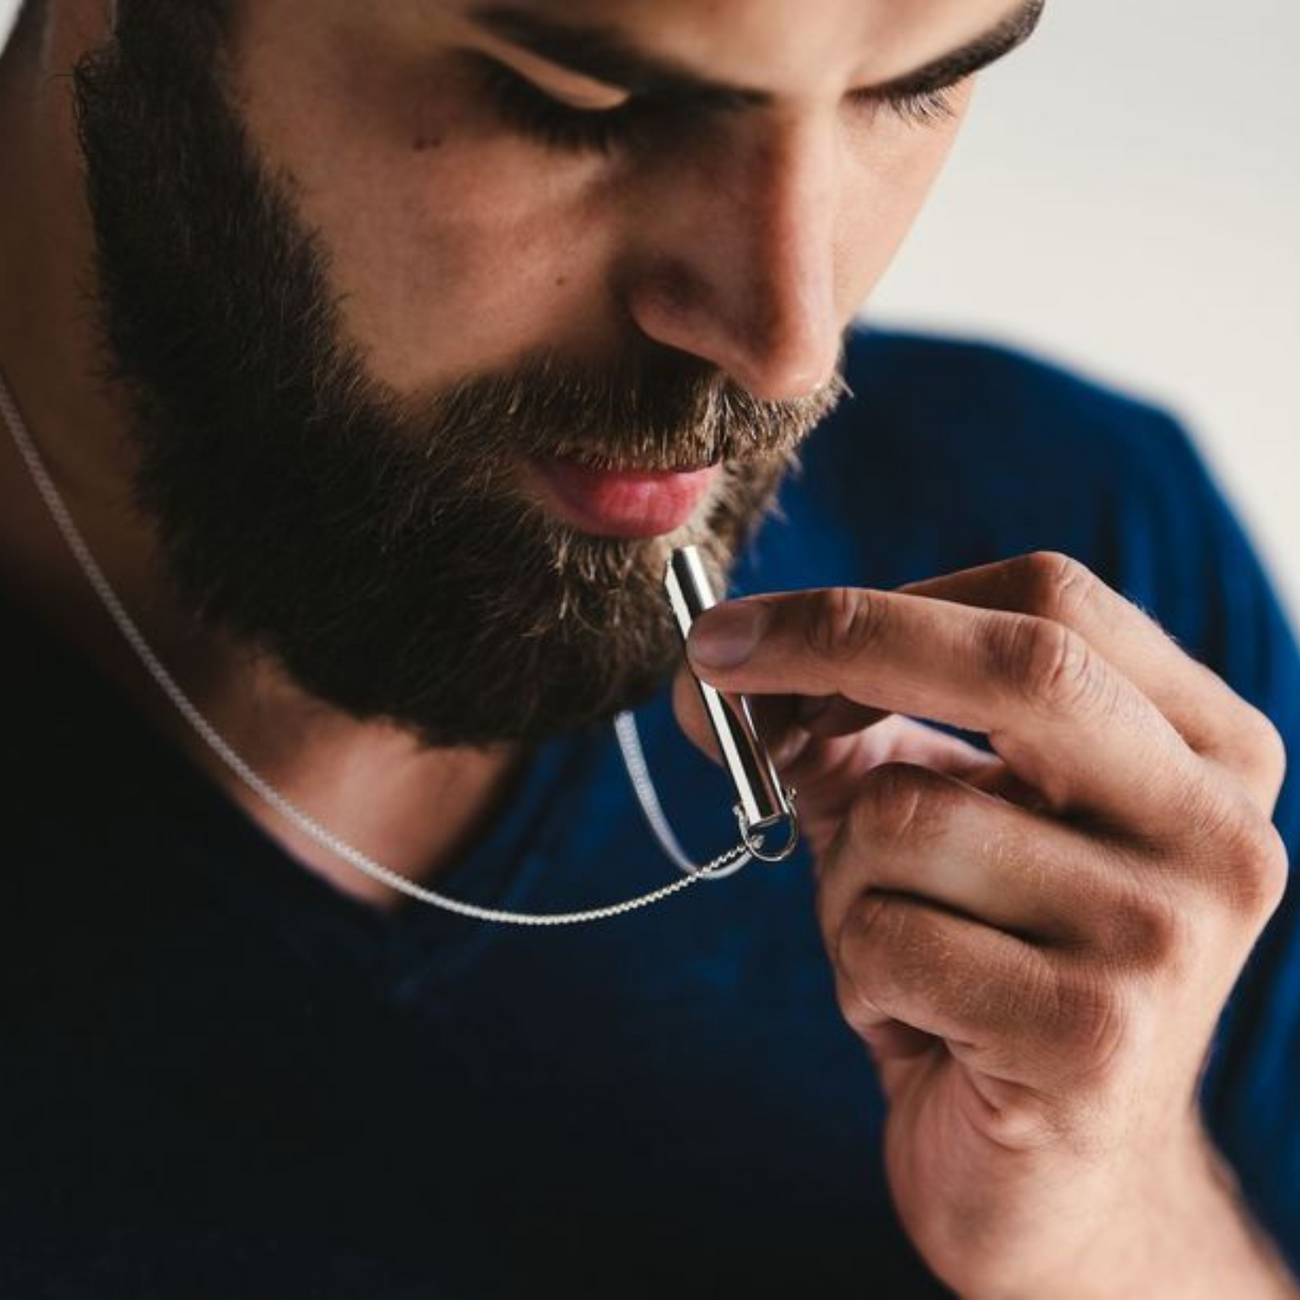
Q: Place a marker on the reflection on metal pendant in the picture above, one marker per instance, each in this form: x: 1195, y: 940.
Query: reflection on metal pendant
x: 761, y: 799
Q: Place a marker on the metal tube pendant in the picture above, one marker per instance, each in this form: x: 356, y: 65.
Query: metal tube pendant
x: 762, y: 803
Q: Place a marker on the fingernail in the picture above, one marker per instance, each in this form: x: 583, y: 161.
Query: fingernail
x: 726, y: 636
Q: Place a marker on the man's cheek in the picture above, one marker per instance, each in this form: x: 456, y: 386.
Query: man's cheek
x: 435, y: 290
x: 886, y: 184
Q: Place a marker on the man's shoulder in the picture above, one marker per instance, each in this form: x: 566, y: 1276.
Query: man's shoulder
x: 982, y: 395
x: 953, y: 452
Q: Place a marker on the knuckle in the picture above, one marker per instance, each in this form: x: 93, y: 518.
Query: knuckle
x: 1273, y: 872
x: 1056, y: 586
x: 873, y: 921
x: 1088, y: 1019
x: 1258, y: 870
x: 1051, y: 667
x: 1146, y: 929
x: 855, y: 1008
x: 897, y: 802
x: 1241, y: 857
x: 862, y: 956
x: 1258, y: 751
x: 841, y: 622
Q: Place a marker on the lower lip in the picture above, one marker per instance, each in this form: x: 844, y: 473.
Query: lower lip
x: 622, y: 503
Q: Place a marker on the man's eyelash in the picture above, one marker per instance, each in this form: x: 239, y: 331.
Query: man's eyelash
x: 926, y: 107
x: 530, y: 110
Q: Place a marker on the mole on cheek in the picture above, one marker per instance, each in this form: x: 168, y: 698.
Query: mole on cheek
x: 425, y: 142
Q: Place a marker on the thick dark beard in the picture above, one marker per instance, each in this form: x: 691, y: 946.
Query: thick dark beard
x: 374, y: 545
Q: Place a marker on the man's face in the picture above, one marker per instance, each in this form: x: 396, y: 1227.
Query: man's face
x: 377, y: 274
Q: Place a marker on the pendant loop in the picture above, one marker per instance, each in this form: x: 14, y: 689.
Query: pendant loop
x: 754, y: 843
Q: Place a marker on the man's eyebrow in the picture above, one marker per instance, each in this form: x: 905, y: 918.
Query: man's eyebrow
x: 606, y: 55
x: 1013, y: 31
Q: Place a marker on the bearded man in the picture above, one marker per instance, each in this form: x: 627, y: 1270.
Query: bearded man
x: 364, y: 365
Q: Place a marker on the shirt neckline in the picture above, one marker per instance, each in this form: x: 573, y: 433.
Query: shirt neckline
x: 140, y: 779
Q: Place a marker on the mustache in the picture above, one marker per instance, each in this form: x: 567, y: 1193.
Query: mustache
x: 653, y: 410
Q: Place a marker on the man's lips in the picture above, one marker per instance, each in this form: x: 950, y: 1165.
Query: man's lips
x: 620, y: 502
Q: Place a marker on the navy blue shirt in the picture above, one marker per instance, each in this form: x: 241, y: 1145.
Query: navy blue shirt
x: 220, y: 1076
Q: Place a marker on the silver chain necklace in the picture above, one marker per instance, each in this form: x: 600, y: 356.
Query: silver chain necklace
x: 625, y: 729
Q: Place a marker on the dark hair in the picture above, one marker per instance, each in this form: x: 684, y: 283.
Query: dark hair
x: 31, y: 12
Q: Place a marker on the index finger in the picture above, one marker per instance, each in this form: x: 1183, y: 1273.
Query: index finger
x: 1055, y: 710
x: 1211, y: 717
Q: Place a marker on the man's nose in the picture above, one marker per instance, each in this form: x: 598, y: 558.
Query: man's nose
x: 740, y: 266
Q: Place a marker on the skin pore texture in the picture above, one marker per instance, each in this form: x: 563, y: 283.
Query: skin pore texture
x: 353, y: 381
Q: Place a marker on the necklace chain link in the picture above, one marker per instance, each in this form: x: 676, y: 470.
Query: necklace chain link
x: 725, y: 864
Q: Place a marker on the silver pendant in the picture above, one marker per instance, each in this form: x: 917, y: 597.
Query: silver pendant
x: 762, y: 803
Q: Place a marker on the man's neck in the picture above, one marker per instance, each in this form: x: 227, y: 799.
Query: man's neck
x: 416, y: 810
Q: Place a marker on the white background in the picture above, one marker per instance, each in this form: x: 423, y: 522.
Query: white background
x: 1126, y: 198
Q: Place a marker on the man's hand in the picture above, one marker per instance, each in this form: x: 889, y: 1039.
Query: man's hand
x: 1035, y: 944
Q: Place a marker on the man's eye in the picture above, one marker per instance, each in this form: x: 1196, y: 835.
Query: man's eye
x: 924, y: 107
x: 527, y: 108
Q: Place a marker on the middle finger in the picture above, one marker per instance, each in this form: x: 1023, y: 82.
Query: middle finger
x: 916, y: 832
